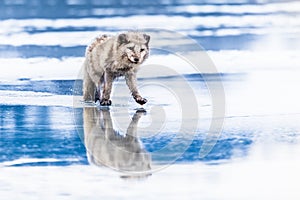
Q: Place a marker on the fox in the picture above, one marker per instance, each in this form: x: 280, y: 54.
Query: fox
x: 110, y: 57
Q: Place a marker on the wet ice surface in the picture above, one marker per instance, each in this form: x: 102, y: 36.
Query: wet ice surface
x: 47, y: 149
x: 257, y: 150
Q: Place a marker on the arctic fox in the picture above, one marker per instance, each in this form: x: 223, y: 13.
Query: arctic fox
x: 107, y: 58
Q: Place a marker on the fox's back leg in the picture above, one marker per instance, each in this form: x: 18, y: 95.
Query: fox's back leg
x: 88, y: 88
x: 91, y: 83
x: 93, y: 72
x: 100, y: 85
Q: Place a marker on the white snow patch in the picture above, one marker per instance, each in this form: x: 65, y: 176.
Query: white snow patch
x: 239, y: 9
x: 15, y: 32
x: 255, y: 177
x: 34, y: 160
x: 34, y: 98
x: 40, y: 68
x: 226, y: 61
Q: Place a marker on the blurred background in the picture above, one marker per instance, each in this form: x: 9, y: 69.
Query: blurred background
x: 57, y: 28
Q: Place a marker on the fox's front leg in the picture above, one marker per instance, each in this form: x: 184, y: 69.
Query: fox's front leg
x: 108, y: 81
x: 131, y: 82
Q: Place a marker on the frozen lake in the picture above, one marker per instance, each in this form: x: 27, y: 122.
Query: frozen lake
x: 53, y: 146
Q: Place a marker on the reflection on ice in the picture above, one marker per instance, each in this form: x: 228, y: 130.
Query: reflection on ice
x: 106, y: 146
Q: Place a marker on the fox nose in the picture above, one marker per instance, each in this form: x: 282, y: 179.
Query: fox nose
x: 136, y: 59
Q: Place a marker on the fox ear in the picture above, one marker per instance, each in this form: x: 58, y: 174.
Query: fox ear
x: 122, y: 39
x: 147, y: 38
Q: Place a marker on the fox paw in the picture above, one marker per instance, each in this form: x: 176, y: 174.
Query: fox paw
x: 97, y: 96
x: 140, y: 100
x: 105, y: 102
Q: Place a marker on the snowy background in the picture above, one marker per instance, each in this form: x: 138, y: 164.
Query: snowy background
x: 255, y: 46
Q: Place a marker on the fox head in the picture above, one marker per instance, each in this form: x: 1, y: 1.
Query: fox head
x: 134, y: 46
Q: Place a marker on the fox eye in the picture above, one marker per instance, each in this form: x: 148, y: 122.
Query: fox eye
x: 130, y: 48
x: 142, y: 50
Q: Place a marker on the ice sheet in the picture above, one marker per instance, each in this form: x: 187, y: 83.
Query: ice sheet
x: 226, y: 61
x: 257, y: 177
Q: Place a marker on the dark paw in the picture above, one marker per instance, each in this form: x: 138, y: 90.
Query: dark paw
x: 140, y: 100
x: 105, y: 102
x: 97, y: 96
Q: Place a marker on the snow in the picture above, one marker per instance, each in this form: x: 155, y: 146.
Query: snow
x: 41, y: 68
x: 14, y: 32
x: 34, y: 98
x: 225, y: 61
x: 256, y: 177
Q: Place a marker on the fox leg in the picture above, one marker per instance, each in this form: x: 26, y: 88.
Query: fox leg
x: 88, y: 88
x: 108, y: 81
x: 97, y: 92
x: 99, y: 85
x: 131, y: 83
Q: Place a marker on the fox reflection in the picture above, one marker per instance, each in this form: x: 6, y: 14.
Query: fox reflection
x: 105, y: 146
